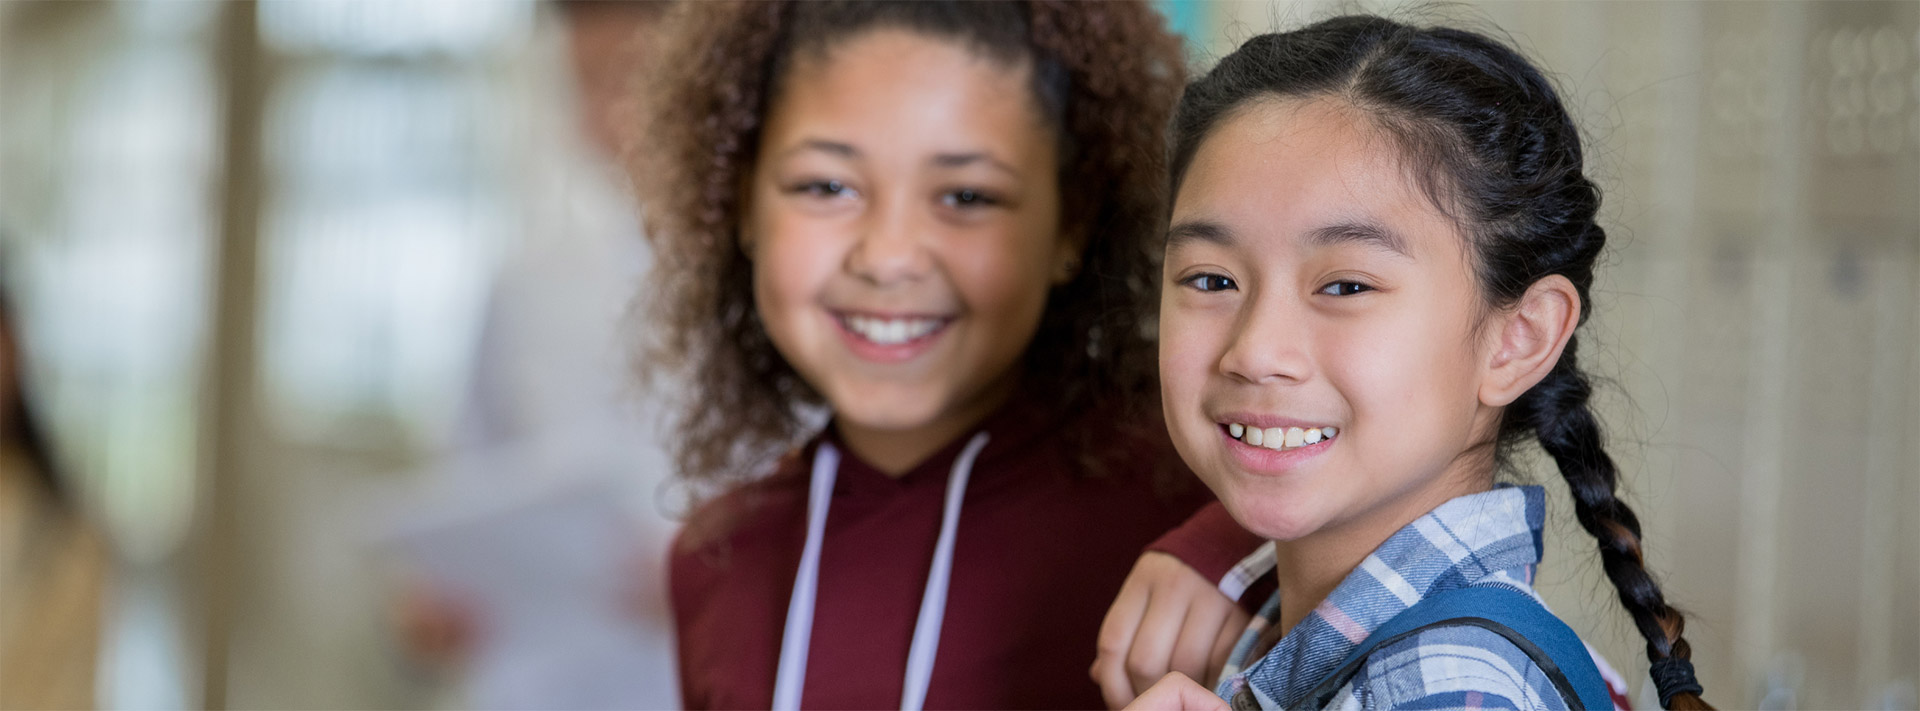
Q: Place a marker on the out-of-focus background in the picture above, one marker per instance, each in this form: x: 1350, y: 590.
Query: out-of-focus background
x: 309, y: 292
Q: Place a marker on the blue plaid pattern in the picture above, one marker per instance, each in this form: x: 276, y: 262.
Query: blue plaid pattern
x: 1490, y: 538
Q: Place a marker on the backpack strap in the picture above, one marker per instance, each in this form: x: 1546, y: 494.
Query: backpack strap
x: 1512, y: 614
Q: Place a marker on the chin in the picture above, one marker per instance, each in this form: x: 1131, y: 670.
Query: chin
x: 1273, y: 517
x: 1279, y: 528
x: 887, y: 410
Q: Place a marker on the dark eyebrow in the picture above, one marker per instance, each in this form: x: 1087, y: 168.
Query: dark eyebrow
x: 1366, y: 233
x: 1198, y: 231
x: 956, y: 160
x: 844, y: 150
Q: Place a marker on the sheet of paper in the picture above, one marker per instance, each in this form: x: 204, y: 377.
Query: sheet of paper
x: 550, y: 578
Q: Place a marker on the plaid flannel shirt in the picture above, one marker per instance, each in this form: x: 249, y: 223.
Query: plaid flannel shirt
x: 1491, y: 538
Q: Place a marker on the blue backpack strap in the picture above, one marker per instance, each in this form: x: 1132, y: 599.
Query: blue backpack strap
x: 1512, y: 614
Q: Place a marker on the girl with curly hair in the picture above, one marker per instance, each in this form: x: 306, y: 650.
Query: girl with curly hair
x: 937, y: 224
x: 1382, y: 245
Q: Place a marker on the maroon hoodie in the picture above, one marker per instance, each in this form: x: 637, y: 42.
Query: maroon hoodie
x: 1040, y: 552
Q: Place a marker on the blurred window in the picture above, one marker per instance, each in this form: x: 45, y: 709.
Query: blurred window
x: 108, y: 135
x: 387, y: 202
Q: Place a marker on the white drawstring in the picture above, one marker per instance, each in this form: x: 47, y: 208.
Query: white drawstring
x: 792, y: 672
x: 933, y: 605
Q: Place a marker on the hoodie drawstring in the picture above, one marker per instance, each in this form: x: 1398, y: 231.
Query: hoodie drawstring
x: 792, y: 672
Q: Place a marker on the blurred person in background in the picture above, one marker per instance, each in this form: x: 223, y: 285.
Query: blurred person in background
x: 552, y: 382
x: 53, y: 562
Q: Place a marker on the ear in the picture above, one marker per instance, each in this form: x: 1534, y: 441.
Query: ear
x: 743, y: 217
x: 1528, y: 339
x: 1068, y: 254
x: 744, y: 234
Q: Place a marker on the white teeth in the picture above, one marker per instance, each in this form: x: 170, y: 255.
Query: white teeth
x: 1280, y: 438
x: 888, y: 332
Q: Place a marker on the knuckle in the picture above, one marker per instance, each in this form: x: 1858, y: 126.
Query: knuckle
x: 1142, y: 669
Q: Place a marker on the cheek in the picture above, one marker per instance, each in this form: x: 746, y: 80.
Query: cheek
x: 791, y: 264
x: 1192, y: 341
x: 1001, y: 276
x: 1415, y: 374
x: 1189, y: 348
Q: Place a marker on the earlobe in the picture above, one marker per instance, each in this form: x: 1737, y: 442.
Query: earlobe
x: 743, y: 228
x: 1073, y: 245
x: 1066, y: 271
x: 1530, y: 338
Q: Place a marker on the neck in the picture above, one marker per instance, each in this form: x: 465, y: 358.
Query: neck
x: 896, y: 451
x: 1310, y: 567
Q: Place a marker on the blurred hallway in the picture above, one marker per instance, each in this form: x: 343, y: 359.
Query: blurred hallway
x: 256, y: 244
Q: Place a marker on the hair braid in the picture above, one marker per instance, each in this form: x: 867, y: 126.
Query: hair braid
x: 1557, y: 412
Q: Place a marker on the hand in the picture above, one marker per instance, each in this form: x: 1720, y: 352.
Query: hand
x: 435, y: 627
x: 643, y: 589
x: 1166, y: 619
x: 1177, y: 692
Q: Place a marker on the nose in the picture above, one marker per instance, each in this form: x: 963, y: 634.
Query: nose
x: 1269, y: 343
x: 892, y: 245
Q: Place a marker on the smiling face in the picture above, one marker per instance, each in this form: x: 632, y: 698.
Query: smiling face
x: 1311, y: 285
x: 904, y: 226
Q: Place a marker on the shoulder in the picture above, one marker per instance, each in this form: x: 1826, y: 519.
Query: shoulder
x: 731, y: 554
x: 1453, y: 667
x: 742, y: 512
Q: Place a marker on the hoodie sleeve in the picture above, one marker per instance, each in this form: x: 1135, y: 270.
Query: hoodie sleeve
x: 1214, y: 545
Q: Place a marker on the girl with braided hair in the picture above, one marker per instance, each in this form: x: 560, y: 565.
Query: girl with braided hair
x: 1382, y: 245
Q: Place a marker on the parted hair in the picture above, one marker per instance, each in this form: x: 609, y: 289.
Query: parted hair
x: 1492, y: 145
x: 1104, y: 74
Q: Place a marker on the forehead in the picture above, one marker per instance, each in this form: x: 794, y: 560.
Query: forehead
x: 1287, y: 167
x: 889, y: 84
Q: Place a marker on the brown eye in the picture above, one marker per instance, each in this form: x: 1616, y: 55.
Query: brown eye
x: 1344, y: 288
x: 823, y: 188
x: 967, y: 197
x: 1210, y: 282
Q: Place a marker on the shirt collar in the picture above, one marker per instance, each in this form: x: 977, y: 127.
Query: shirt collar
x: 1484, y: 538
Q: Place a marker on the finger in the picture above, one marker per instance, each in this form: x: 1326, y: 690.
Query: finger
x: 1152, y: 653
x: 436, y: 629
x: 1176, y: 691
x: 1195, y: 697
x: 1116, y: 638
x: 1191, y: 652
x: 1230, y: 632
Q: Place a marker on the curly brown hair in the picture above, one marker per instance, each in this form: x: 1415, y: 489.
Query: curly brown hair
x: 1107, y: 73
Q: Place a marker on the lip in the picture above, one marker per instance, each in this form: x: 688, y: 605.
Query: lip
x: 1263, y: 421
x: 1271, y: 462
x: 886, y: 354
